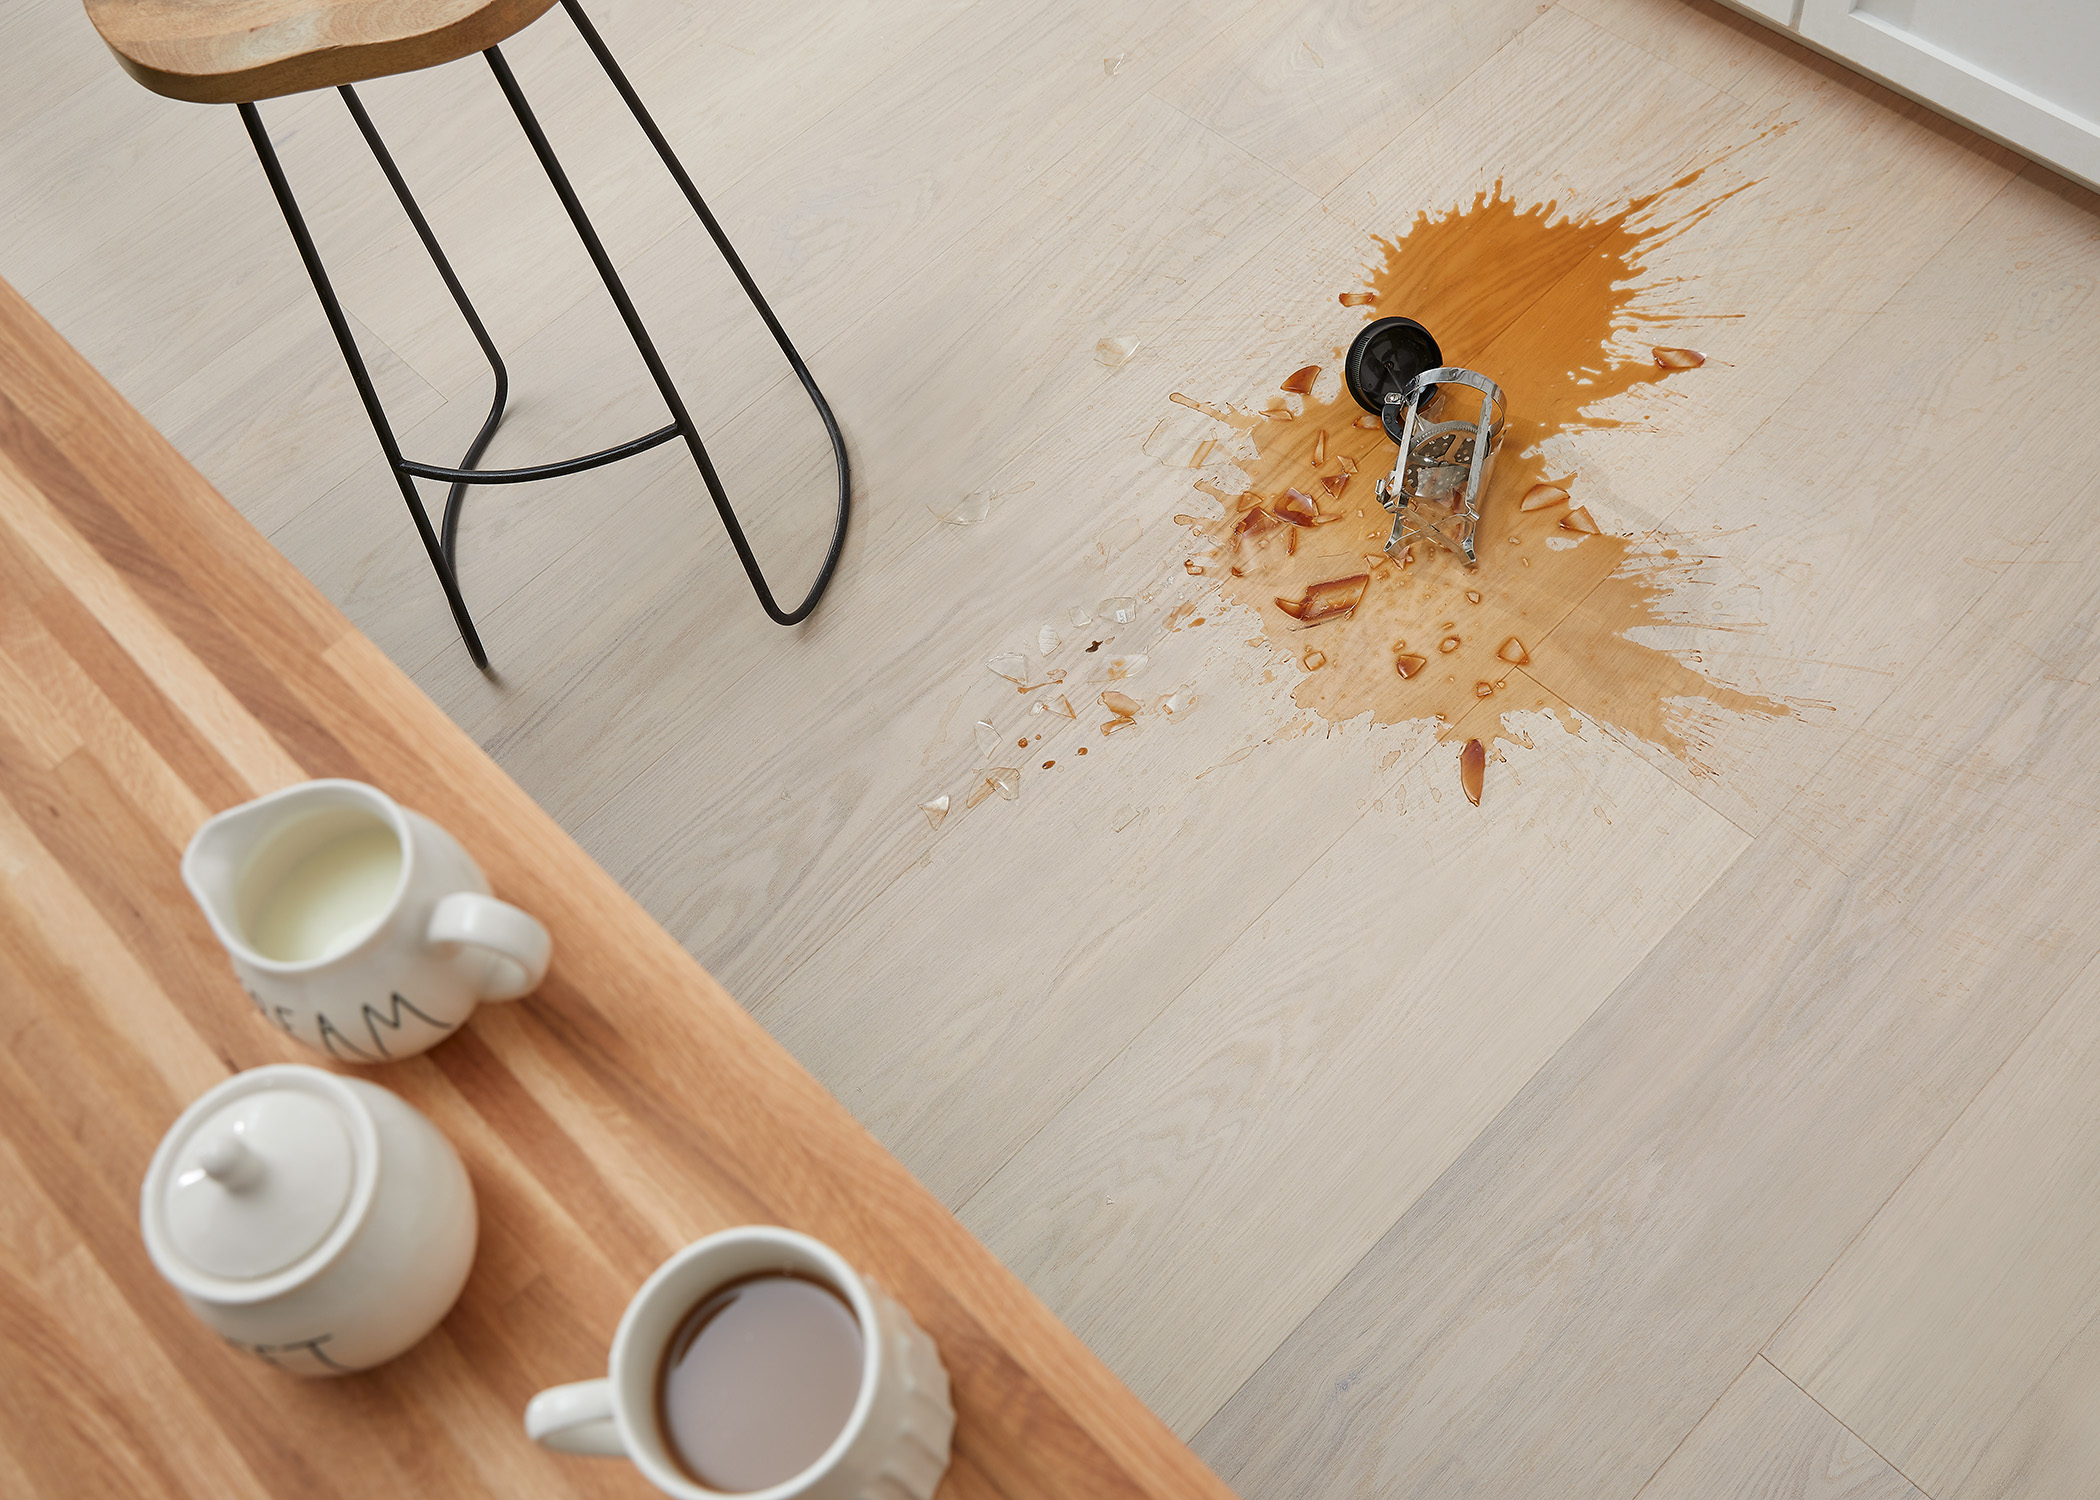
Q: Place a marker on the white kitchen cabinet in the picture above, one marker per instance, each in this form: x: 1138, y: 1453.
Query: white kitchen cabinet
x: 2025, y: 72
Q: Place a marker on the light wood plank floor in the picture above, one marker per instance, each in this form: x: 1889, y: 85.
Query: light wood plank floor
x: 1646, y: 1130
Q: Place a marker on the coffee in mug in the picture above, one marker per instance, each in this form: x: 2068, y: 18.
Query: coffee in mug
x: 757, y: 1362
x: 758, y: 1380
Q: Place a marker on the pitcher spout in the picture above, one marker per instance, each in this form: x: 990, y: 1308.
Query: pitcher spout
x: 218, y: 852
x: 237, y: 860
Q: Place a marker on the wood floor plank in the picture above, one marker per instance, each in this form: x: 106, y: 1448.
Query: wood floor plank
x: 275, y: 419
x: 1316, y: 90
x: 1815, y: 523
x: 1214, y: 1180
x: 1623, y: 1239
x: 1961, y: 1310
x: 1765, y: 1440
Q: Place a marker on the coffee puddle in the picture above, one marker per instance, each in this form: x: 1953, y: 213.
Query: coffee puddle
x: 1542, y: 304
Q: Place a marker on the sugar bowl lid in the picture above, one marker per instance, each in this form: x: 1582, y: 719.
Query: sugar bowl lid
x: 259, y: 1183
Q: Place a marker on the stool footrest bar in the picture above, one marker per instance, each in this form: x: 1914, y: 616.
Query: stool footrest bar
x: 614, y: 454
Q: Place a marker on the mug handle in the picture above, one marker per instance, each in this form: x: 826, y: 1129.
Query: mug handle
x: 516, y: 942
x: 575, y: 1418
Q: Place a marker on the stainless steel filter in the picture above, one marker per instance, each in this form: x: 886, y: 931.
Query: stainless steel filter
x: 1447, y: 424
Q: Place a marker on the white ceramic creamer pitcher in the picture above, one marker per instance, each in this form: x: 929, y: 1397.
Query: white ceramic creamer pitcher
x: 355, y: 925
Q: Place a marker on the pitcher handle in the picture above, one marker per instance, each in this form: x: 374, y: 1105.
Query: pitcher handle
x: 575, y: 1418
x: 517, y: 945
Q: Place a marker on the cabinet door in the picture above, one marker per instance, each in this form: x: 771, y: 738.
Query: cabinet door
x: 2025, y: 71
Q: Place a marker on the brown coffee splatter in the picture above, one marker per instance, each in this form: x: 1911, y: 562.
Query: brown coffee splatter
x: 1539, y: 300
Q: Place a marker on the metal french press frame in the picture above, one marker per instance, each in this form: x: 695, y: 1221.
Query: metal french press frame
x: 1396, y: 371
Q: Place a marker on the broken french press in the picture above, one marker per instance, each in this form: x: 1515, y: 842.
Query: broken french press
x: 1446, y: 422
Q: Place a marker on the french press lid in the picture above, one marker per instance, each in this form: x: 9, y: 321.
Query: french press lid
x: 1384, y: 360
x: 265, y: 1175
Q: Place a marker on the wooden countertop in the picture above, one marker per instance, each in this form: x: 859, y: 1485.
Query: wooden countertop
x: 160, y: 661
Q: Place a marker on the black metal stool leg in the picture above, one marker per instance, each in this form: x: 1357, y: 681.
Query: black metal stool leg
x: 448, y: 531
x: 640, y: 335
x: 340, y: 326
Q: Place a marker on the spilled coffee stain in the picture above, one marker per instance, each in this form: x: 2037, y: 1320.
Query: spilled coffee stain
x: 1541, y: 302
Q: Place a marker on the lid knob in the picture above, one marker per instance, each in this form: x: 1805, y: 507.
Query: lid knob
x: 260, y: 1180
x: 226, y: 1160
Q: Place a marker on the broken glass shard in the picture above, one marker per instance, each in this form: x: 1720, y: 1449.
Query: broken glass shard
x: 1011, y: 665
x: 1116, y: 537
x: 1327, y: 601
x: 1120, y: 610
x: 1114, y: 353
x: 1298, y: 508
x: 971, y: 509
x: 935, y: 810
x: 1046, y: 639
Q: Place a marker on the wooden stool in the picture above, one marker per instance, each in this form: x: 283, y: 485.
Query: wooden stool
x: 240, y: 51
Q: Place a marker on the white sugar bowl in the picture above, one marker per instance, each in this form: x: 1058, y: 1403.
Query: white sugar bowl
x: 317, y: 1221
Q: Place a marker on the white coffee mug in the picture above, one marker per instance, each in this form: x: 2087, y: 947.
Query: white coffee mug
x: 355, y: 925
x: 894, y: 1445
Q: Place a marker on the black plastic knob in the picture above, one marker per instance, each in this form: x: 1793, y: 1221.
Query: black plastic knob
x: 1386, y: 356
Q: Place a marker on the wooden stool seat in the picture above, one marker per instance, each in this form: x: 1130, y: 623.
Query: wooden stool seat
x: 238, y: 51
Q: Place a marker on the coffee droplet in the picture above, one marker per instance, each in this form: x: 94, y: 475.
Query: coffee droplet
x: 1678, y: 359
x: 1539, y: 496
x: 1472, y: 770
x: 1513, y: 652
x: 1448, y: 644
x: 1407, y: 666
